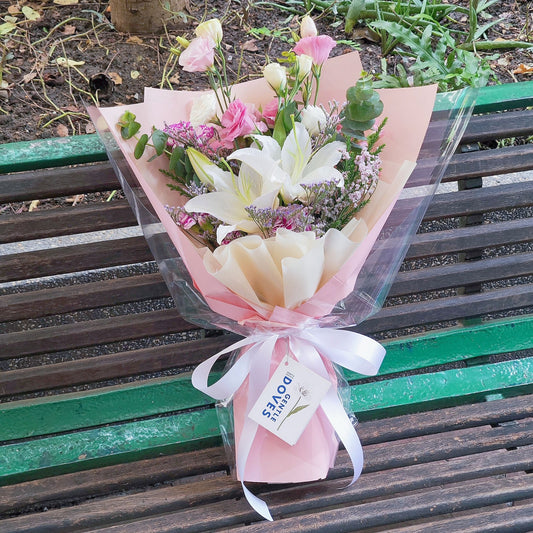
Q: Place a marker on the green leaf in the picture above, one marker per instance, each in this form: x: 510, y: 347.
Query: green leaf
x: 279, y: 133
x: 7, y: 27
x: 175, y: 164
x: 357, y: 126
x: 159, y: 139
x: 130, y: 130
x: 140, y: 146
x: 128, y: 126
x: 126, y: 118
x: 353, y: 14
x: 364, y: 111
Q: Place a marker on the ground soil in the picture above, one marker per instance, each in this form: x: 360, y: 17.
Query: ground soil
x: 43, y: 95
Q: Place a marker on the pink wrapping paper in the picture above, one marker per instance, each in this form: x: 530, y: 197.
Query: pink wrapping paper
x: 408, y: 112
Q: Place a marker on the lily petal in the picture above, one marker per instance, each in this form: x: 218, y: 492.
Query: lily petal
x: 223, y: 205
x: 329, y: 155
x: 296, y: 152
x: 224, y: 231
x: 269, y: 146
x: 209, y: 173
x: 325, y: 173
x: 273, y: 176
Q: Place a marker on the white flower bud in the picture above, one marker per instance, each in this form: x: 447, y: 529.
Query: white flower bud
x: 314, y: 119
x: 210, y: 29
x: 203, y: 109
x: 276, y: 75
x: 305, y: 63
x: 307, y: 27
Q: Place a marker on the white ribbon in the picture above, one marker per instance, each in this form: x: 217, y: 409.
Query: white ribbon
x: 346, y: 348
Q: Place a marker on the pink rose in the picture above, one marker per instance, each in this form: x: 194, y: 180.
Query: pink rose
x: 236, y: 121
x: 270, y: 112
x: 317, y: 47
x: 199, y: 56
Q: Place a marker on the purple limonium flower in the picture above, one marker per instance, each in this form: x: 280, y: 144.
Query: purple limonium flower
x: 294, y: 217
x: 183, y: 133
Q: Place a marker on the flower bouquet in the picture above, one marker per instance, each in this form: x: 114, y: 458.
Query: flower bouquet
x: 281, y: 209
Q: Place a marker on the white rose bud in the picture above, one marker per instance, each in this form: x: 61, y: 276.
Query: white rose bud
x: 305, y: 63
x: 276, y: 75
x: 307, y: 27
x: 210, y: 29
x: 203, y: 109
x: 314, y: 119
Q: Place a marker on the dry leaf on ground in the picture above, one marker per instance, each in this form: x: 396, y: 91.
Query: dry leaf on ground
x: 523, y: 69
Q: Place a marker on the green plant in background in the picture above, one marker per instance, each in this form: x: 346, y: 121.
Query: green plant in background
x: 476, y: 9
x: 426, y: 32
x: 436, y: 60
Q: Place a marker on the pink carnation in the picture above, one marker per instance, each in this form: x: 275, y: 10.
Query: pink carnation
x: 270, y: 112
x: 317, y: 47
x: 236, y: 121
x: 199, y: 56
x: 185, y: 220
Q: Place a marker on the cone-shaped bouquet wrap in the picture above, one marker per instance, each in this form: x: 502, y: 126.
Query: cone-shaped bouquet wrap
x: 288, y: 294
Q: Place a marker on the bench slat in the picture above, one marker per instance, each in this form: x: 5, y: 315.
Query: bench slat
x: 198, y: 514
x: 508, y: 159
x: 93, y: 332
x: 455, y: 344
x: 471, y: 238
x: 59, y: 151
x: 473, y: 201
x: 482, y: 128
x: 460, y: 274
x: 519, y: 517
x: 447, y: 309
x: 70, y: 298
x: 431, y: 349
x: 440, y: 389
x: 110, y: 367
x: 75, y: 258
x: 66, y: 221
x: 111, y: 479
x: 51, y: 183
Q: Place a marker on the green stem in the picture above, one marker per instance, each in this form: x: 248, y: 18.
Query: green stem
x: 215, y: 89
x: 494, y: 45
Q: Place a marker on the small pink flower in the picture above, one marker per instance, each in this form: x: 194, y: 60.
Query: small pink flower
x: 236, y: 121
x: 199, y: 56
x: 317, y: 47
x: 185, y: 220
x: 270, y: 112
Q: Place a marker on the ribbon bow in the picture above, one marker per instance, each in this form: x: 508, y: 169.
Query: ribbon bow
x: 348, y: 349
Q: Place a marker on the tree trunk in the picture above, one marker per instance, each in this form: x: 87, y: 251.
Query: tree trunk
x: 144, y: 16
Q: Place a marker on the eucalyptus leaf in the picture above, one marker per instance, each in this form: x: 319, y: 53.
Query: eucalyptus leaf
x: 140, y: 146
x: 159, y: 140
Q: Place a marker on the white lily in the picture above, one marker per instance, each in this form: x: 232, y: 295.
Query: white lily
x: 294, y: 164
x: 232, y: 194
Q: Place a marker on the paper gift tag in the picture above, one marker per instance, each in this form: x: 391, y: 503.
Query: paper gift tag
x: 289, y: 400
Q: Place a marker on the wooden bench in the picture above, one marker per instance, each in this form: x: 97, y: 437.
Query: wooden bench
x: 101, y: 430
